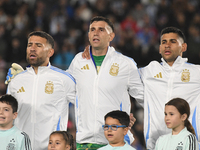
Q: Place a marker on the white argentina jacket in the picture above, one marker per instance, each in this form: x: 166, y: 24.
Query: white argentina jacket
x: 162, y: 83
x: 43, y: 102
x: 98, y: 94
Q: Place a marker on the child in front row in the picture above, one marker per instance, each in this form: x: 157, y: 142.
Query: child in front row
x: 10, y: 136
x: 177, y: 112
x: 61, y: 140
x: 115, y: 128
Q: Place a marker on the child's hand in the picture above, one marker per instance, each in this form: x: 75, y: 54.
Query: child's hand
x: 132, y: 121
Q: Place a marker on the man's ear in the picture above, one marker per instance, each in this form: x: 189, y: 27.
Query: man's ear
x: 112, y: 35
x: 51, y: 52
x: 15, y: 115
x: 184, y: 47
x: 159, y: 49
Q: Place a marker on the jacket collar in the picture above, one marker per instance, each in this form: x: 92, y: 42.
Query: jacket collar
x: 178, y: 62
x: 40, y: 68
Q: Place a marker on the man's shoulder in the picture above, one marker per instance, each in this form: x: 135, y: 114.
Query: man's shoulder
x: 61, y: 73
x: 152, y: 64
x: 119, y: 56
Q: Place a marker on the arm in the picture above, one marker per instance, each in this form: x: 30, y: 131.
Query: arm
x: 135, y: 85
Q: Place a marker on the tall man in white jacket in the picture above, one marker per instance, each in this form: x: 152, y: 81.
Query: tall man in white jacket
x: 171, y: 78
x: 103, y: 84
x: 43, y: 92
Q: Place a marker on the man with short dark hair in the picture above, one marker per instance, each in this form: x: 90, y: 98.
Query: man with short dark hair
x: 173, y: 77
x: 43, y: 92
x: 103, y: 84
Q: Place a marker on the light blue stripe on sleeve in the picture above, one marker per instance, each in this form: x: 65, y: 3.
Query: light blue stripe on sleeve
x: 194, y: 124
x: 127, y: 139
x: 77, y: 114
x: 58, y: 125
x: 148, y: 128
x: 63, y: 72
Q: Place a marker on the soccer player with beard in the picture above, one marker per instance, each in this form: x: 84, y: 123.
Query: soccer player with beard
x: 43, y: 92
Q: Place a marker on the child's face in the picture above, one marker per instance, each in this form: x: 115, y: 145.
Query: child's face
x: 6, y: 116
x: 57, y: 142
x: 173, y: 119
x: 115, y: 138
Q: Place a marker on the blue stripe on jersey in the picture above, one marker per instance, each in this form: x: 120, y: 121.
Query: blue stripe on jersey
x: 127, y: 139
x: 77, y: 114
x: 194, y: 124
x: 92, y: 57
x: 63, y: 72
x: 148, y: 128
x: 58, y: 125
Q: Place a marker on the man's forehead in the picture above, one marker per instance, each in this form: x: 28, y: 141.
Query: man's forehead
x: 101, y: 24
x: 169, y: 36
x: 36, y: 39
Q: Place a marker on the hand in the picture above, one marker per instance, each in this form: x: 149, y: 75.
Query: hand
x: 132, y: 121
x: 86, y: 53
x: 13, y: 71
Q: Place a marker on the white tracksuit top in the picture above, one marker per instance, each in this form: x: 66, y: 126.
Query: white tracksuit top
x: 43, y: 102
x: 162, y: 83
x: 98, y: 94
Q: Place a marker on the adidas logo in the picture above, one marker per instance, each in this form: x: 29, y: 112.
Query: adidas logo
x: 158, y: 75
x: 21, y: 90
x: 86, y: 67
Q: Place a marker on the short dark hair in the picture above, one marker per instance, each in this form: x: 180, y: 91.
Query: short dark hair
x: 174, y: 30
x: 10, y: 100
x: 43, y: 34
x: 100, y: 18
x: 122, y: 116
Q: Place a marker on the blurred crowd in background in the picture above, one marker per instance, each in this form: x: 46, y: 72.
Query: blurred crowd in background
x: 138, y: 24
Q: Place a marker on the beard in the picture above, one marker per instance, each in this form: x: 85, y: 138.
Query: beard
x: 35, y: 62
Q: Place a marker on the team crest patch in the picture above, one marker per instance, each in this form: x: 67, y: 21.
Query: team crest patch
x: 114, y: 69
x: 185, y: 77
x: 49, y: 87
x: 11, y: 145
x: 179, y: 148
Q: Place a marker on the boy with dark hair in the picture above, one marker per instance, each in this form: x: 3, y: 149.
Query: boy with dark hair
x: 115, y: 128
x: 10, y: 136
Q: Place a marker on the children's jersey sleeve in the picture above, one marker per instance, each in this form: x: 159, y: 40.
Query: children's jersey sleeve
x: 191, y: 143
x: 26, y: 143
